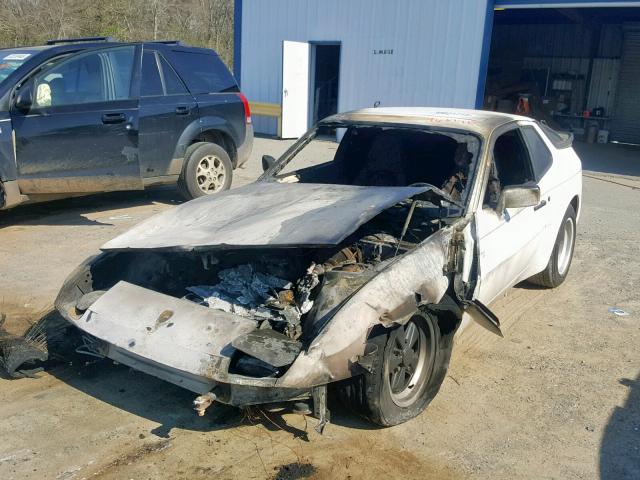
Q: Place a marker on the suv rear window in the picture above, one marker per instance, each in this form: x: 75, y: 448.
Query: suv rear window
x: 203, y: 72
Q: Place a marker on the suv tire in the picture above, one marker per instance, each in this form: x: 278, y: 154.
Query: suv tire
x: 558, y: 267
x: 207, y: 170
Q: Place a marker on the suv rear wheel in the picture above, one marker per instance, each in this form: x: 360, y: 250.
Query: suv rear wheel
x: 207, y: 170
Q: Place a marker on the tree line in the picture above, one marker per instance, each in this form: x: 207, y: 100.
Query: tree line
x: 205, y: 23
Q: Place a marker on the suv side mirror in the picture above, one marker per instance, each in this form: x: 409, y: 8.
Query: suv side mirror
x: 24, y: 100
x: 267, y: 162
x: 518, y: 196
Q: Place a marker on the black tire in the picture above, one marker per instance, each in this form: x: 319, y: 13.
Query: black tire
x: 559, y: 264
x: 217, y: 178
x: 373, y: 394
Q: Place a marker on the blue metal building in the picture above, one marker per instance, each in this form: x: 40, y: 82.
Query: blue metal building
x: 575, y: 61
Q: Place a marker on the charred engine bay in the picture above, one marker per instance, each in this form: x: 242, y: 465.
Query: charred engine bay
x: 290, y: 293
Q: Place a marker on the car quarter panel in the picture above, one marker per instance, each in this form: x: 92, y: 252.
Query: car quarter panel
x: 391, y: 297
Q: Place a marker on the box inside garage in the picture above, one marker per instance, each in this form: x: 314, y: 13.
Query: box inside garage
x: 577, y: 69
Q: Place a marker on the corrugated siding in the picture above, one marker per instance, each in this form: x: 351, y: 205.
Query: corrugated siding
x: 626, y: 123
x: 542, y: 40
x: 436, y: 49
x: 577, y: 66
x: 610, y: 41
x: 604, y: 80
x: 565, y: 40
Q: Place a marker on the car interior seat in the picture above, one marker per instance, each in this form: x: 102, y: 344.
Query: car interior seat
x: 384, y: 164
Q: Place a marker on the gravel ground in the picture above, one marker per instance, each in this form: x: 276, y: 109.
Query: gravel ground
x: 558, y: 397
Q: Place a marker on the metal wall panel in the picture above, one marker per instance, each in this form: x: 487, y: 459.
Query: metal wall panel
x: 436, y: 49
x: 604, y: 81
x: 610, y: 41
x: 557, y: 40
x: 577, y: 66
x: 543, y: 40
x: 625, y: 126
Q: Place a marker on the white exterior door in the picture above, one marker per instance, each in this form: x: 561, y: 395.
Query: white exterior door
x: 295, y: 88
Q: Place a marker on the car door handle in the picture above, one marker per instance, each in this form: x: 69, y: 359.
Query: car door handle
x: 109, y: 118
x: 183, y: 110
x: 540, y: 205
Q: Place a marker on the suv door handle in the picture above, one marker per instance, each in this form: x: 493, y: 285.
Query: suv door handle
x: 109, y: 118
x: 182, y: 110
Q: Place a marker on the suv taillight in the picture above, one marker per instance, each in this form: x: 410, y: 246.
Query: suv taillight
x: 247, y: 110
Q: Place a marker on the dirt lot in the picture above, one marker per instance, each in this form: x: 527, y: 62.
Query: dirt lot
x: 558, y: 397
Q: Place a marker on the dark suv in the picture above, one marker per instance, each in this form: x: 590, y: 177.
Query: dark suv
x: 92, y: 115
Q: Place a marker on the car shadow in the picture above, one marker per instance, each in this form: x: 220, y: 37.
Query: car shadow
x: 527, y: 285
x: 72, y: 211
x: 171, y: 406
x: 159, y: 401
x: 620, y: 447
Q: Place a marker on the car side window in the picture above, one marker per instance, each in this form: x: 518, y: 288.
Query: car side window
x: 151, y: 84
x: 511, y: 165
x: 96, y: 76
x: 541, y: 157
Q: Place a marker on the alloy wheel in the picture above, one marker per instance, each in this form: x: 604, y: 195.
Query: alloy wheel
x: 210, y: 174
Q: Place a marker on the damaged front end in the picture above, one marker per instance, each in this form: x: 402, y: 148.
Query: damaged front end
x: 245, y: 323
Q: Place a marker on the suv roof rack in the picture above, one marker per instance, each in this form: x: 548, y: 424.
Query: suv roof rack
x: 168, y: 42
x: 80, y: 39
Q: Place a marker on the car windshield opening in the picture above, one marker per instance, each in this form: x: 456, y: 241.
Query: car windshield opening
x: 383, y: 156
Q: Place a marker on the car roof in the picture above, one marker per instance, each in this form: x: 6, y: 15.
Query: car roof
x: 477, y: 121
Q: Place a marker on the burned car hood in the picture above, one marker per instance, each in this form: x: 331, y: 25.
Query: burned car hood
x: 265, y: 214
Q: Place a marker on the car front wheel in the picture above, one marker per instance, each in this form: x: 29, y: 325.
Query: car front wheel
x: 207, y: 170
x: 408, y: 366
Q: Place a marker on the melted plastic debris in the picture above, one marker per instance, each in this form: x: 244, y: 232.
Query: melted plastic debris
x: 306, y: 284
x: 241, y: 290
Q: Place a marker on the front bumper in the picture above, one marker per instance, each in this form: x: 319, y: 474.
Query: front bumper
x: 175, y: 340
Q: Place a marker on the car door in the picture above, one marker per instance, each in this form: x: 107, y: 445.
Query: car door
x: 79, y: 131
x: 166, y: 110
x: 507, y: 241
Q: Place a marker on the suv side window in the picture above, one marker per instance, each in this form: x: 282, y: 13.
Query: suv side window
x: 96, y: 76
x: 172, y: 82
x: 151, y: 84
x: 158, y: 78
x: 541, y: 157
x: 511, y: 165
x: 203, y: 72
